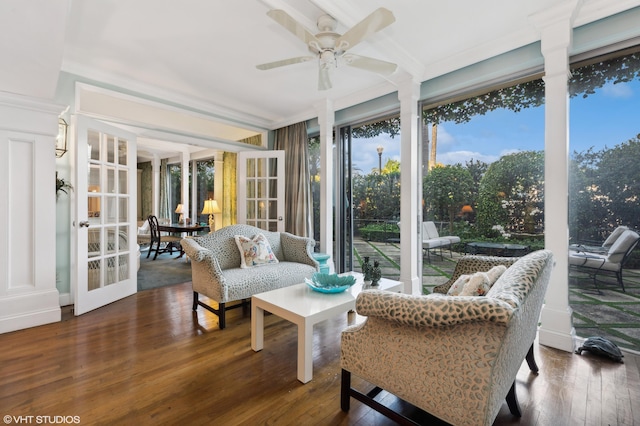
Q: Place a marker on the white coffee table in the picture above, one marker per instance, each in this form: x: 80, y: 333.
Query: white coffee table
x: 305, y: 308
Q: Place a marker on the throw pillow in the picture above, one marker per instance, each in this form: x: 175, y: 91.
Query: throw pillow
x: 495, y: 273
x: 255, y: 252
x: 480, y: 282
x: 457, y: 286
x: 478, y: 285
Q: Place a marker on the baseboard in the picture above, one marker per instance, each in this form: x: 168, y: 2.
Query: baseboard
x: 29, y: 310
x: 65, y: 299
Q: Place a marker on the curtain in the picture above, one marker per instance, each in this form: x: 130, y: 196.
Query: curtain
x: 298, y: 204
x: 164, y: 211
x: 229, y: 198
x: 147, y: 189
x: 229, y: 179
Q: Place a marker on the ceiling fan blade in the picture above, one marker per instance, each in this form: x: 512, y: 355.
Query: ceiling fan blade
x: 294, y: 27
x: 284, y: 62
x: 377, y: 20
x: 370, y: 64
x: 324, y: 82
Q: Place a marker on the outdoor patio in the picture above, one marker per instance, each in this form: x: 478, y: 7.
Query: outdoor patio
x: 607, y: 312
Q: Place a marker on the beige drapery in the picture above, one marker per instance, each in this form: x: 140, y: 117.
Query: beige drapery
x: 229, y: 179
x: 297, y: 199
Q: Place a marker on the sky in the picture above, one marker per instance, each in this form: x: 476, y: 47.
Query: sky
x: 607, y: 118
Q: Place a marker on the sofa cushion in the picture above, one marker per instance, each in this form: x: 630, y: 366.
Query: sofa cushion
x: 255, y: 251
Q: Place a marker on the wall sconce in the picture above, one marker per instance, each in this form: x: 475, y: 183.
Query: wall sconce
x: 61, y: 140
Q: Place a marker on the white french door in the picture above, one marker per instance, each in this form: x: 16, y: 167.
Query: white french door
x: 261, y: 189
x: 105, y: 217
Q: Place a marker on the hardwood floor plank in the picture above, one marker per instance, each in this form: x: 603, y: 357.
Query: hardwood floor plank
x: 149, y: 359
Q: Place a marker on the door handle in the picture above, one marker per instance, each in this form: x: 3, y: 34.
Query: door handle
x: 84, y: 224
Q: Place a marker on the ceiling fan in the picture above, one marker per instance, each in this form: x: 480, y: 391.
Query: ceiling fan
x: 331, y: 48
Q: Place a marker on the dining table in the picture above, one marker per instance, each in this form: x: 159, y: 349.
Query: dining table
x: 179, y: 228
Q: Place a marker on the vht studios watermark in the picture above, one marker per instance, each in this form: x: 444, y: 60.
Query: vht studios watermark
x: 41, y: 420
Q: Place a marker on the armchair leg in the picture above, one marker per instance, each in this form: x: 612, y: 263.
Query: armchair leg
x: 221, y: 316
x: 345, y: 385
x: 195, y: 300
x: 512, y: 401
x: 531, y: 360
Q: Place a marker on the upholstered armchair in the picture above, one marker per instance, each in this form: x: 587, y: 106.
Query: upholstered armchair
x: 455, y: 357
x: 219, y: 272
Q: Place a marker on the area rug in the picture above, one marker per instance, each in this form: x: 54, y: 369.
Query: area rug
x: 166, y: 270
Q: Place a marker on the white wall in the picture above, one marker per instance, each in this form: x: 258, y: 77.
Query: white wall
x: 28, y: 294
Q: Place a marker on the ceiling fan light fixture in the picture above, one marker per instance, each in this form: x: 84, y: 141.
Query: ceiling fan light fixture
x: 327, y: 59
x: 330, y: 47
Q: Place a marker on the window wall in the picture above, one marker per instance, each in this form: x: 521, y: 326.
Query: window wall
x: 369, y: 186
x: 604, y: 145
x: 174, y: 179
x: 205, y: 170
x: 483, y: 163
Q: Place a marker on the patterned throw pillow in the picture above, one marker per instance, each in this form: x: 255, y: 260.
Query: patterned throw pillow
x: 255, y: 252
x: 478, y: 285
x: 457, y: 286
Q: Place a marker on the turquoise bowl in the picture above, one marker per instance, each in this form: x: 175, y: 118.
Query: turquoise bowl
x: 330, y: 283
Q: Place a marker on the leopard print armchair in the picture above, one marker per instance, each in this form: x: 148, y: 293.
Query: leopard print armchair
x: 216, y: 272
x: 455, y: 357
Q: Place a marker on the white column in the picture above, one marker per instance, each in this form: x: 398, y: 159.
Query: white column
x: 28, y: 293
x: 155, y: 170
x: 555, y: 24
x: 326, y: 119
x: 186, y: 156
x: 410, y: 211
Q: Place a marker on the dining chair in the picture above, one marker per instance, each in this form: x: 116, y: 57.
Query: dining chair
x: 163, y: 243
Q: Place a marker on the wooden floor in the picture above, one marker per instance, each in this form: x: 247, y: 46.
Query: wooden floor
x: 149, y: 359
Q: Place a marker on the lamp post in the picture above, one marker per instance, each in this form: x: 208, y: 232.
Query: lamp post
x: 380, y: 149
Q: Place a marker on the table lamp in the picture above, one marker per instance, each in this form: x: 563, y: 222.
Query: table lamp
x: 211, y: 208
x: 180, y: 210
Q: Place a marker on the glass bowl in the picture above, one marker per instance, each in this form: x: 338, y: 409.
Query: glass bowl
x: 330, y: 283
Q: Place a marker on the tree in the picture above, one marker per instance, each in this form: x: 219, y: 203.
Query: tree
x: 512, y: 193
x: 605, y: 190
x: 586, y: 208
x: 446, y: 190
x: 377, y: 196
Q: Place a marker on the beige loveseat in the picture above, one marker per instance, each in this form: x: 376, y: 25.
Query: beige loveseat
x: 455, y: 357
x: 216, y: 272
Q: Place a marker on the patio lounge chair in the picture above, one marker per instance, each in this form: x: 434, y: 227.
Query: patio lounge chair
x: 610, y: 262
x: 604, y: 247
x: 432, y: 240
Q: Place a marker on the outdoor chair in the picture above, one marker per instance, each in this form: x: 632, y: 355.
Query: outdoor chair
x: 604, y: 247
x: 163, y: 243
x: 595, y: 264
x: 432, y: 240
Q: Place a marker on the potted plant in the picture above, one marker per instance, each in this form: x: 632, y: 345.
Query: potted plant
x: 62, y: 185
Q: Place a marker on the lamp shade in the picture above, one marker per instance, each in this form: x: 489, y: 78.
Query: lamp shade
x: 180, y: 209
x: 211, y: 207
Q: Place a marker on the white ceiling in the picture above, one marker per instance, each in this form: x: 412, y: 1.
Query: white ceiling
x: 202, y: 53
